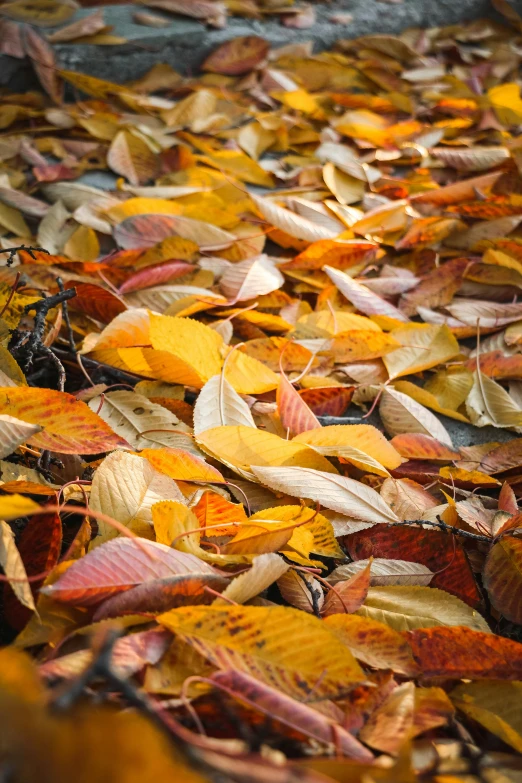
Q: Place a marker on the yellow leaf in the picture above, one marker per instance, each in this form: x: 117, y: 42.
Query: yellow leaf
x: 338, y: 321
x: 240, y: 447
x: 506, y: 102
x: 247, y: 375
x: 239, y: 165
x: 324, y: 541
x: 193, y: 343
x: 339, y: 440
x: 299, y: 100
x: 427, y: 398
x: 143, y: 206
x: 495, y: 705
x: 278, y: 645
x: 424, y: 346
x: 14, y: 506
x: 83, y: 245
x: 406, y: 608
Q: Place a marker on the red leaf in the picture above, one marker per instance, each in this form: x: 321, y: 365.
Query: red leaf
x: 438, y: 551
x: 119, y: 565
x: 97, y: 302
x: 160, y: 595
x: 156, y: 275
x: 39, y: 547
x: 328, y: 400
x: 298, y: 716
x: 460, y: 652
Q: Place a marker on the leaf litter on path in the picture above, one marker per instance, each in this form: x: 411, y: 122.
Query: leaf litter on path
x: 290, y: 236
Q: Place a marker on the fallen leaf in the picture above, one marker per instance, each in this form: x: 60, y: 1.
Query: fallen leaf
x: 117, y: 566
x: 336, y: 492
x: 407, y: 608
x: 280, y: 645
x: 503, y: 577
x: 68, y: 425
x: 237, y: 56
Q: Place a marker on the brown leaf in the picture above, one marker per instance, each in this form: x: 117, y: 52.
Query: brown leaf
x: 44, y: 62
x: 237, y: 56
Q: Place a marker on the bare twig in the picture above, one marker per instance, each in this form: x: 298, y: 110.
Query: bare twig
x: 12, y: 251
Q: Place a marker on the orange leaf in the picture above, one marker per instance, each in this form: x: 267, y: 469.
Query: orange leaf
x: 349, y: 595
x: 337, y: 254
x: 456, y: 653
x: 415, y: 445
x: 69, y: 425
x: 181, y: 466
x: 328, y: 400
x: 213, y: 509
x: 295, y: 415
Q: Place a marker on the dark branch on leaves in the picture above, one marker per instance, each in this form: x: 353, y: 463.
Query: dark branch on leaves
x: 29, y: 343
x: 12, y: 251
x: 456, y: 531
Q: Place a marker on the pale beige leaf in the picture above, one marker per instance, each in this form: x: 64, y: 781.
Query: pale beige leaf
x: 484, y: 314
x: 488, y: 403
x: 266, y: 569
x: 131, y: 157
x: 13, y: 567
x: 408, y: 499
x: 406, y: 608
x: 470, y: 158
x: 297, y: 588
x: 335, y: 492
x: 385, y: 572
x: 13, y: 432
x: 361, y: 297
x: 218, y: 405
x: 292, y: 224
x: 52, y: 231
x: 400, y: 414
x: 253, y: 277
x: 142, y: 423
x: 125, y: 487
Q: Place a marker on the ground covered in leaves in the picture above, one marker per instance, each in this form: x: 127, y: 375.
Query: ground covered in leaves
x: 204, y: 578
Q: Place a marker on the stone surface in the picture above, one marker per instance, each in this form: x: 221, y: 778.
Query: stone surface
x: 186, y: 42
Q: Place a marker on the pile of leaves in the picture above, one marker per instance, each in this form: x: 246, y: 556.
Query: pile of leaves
x: 231, y: 499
